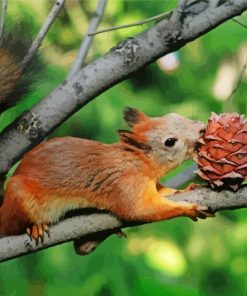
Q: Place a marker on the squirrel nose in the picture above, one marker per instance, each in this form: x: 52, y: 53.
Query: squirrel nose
x: 201, y: 127
x: 202, y: 131
x: 199, y: 123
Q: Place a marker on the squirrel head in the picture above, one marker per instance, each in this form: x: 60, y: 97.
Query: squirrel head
x: 169, y: 139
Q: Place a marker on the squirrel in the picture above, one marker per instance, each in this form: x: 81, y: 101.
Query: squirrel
x: 67, y: 173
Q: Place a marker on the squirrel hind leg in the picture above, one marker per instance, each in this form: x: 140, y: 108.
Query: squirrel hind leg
x: 37, y: 232
x: 13, y: 220
x: 21, y: 210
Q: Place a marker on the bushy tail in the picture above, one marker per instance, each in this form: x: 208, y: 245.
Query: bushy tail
x: 1, y: 234
x: 14, y: 80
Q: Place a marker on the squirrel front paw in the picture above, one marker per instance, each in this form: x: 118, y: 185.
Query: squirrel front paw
x: 193, y: 186
x: 190, y: 187
x: 195, y: 212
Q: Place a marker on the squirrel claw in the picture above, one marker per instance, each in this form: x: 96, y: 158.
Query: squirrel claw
x: 192, y: 186
x: 37, y: 232
x: 46, y: 229
x: 202, y: 213
x: 196, y: 212
x: 194, y: 219
x: 121, y: 234
x: 28, y: 232
x: 205, y: 214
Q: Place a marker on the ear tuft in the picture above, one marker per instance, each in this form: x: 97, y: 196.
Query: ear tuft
x: 133, y: 116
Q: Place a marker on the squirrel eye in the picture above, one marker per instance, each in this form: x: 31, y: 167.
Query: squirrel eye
x: 170, y: 142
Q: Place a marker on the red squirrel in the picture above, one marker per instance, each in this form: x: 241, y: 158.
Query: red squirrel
x: 69, y: 173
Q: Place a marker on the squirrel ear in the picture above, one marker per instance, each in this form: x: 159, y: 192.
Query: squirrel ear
x: 133, y: 116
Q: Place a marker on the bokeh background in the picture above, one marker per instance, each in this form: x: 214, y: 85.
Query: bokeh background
x: 177, y: 257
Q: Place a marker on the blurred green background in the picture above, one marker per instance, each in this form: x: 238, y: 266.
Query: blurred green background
x: 176, y: 257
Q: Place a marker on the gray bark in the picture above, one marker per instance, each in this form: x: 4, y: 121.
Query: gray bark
x: 86, y: 43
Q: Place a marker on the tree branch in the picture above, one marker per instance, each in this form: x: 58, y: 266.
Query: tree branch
x: 182, y: 177
x: 94, y: 22
x: 127, y: 57
x: 81, y: 226
x: 2, y: 20
x: 240, y: 23
x: 138, y: 23
x: 238, y: 82
x: 42, y: 33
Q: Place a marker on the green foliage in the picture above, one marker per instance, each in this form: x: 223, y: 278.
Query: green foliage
x: 176, y: 257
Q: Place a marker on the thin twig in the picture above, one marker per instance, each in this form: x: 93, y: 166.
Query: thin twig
x: 2, y: 21
x: 142, y: 22
x: 42, y: 33
x: 240, y: 78
x: 243, y: 69
x: 238, y: 22
x: 94, y: 22
x: 182, y: 177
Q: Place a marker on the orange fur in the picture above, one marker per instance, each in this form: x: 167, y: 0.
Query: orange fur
x: 71, y: 173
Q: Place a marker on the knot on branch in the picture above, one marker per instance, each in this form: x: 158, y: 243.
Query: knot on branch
x: 173, y: 38
x: 128, y: 50
x: 78, y: 88
x: 30, y: 125
x: 171, y: 35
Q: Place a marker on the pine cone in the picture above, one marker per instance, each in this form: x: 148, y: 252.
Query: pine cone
x: 222, y: 151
